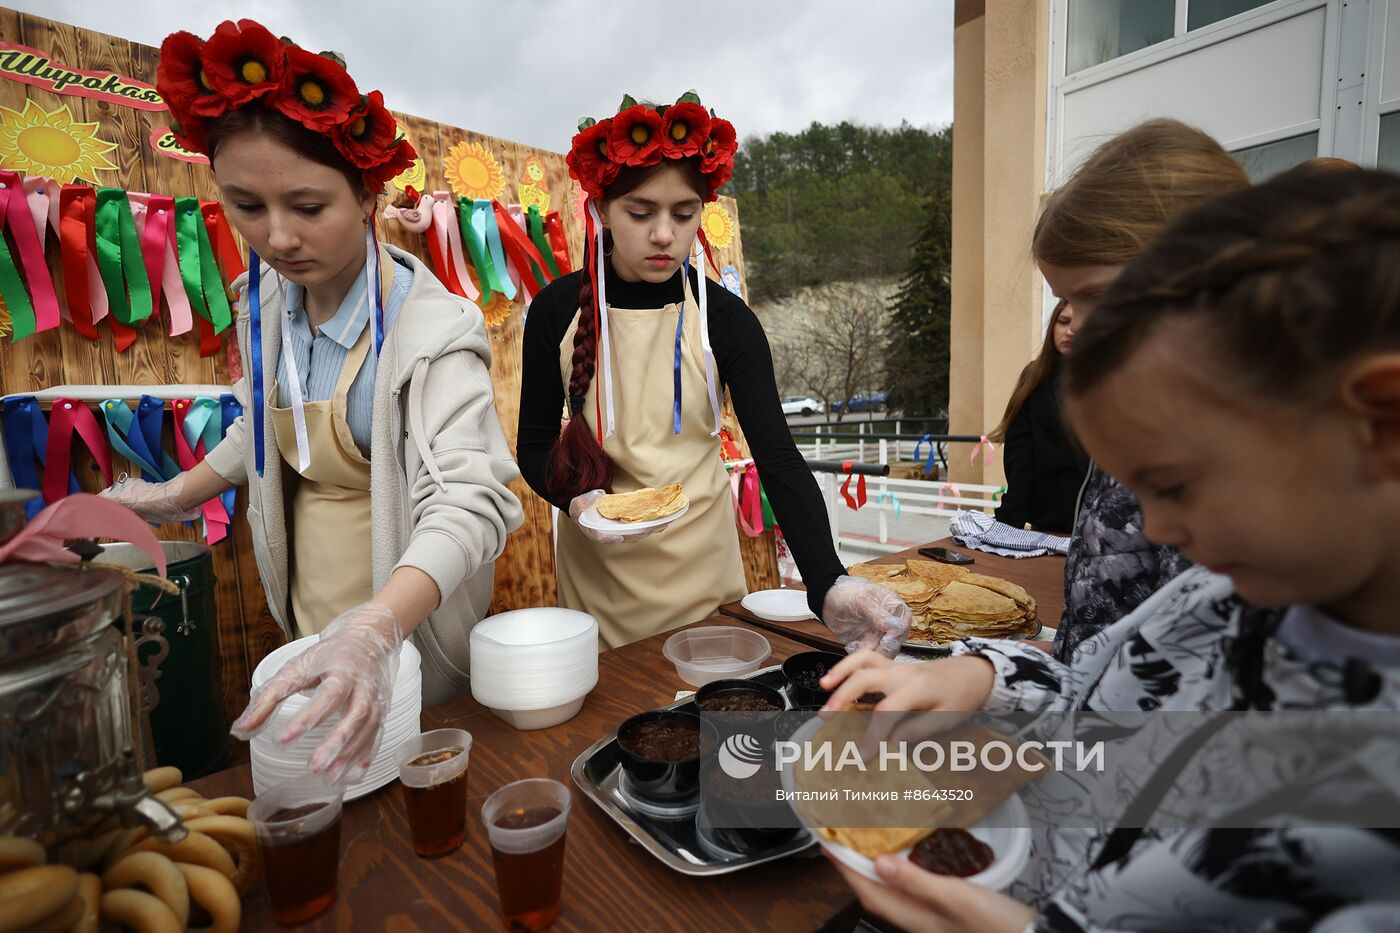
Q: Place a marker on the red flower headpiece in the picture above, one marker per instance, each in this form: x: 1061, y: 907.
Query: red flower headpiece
x: 640, y: 136
x: 243, y: 64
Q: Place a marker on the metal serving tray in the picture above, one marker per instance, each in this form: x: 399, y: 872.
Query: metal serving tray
x: 675, y: 841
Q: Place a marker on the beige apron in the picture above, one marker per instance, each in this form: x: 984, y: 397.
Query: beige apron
x: 331, y: 570
x: 685, y: 572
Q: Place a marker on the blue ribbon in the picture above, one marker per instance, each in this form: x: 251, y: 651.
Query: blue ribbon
x: 493, y: 244
x: 255, y: 348
x: 27, y: 441
x: 892, y: 499
x: 230, y: 411
x: 150, y: 417
x: 377, y: 297
x: 130, y: 444
x: 932, y: 452
x: 676, y: 365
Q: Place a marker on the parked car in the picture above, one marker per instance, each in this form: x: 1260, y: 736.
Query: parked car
x: 802, y: 405
x: 861, y: 401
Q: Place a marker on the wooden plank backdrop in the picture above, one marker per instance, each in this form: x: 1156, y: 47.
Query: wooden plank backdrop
x: 524, y: 573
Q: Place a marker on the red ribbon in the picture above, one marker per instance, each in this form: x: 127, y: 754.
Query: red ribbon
x: 209, y: 341
x: 14, y: 214
x: 77, y: 205
x: 155, y: 215
x: 221, y: 239
x: 67, y: 416
x: 520, y: 250
x: 437, y: 251
x: 858, y: 500
x: 705, y: 242
x: 216, y: 520
x: 558, y: 242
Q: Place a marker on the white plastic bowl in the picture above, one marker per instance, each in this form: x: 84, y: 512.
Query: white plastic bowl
x: 542, y: 661
x: 715, y: 652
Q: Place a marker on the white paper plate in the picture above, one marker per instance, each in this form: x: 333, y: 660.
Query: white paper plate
x: 778, y: 605
x: 592, y: 520
x: 1006, y: 830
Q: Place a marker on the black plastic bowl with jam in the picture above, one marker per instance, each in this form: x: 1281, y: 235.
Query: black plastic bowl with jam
x: 804, y: 672
x: 739, y: 696
x: 660, y: 753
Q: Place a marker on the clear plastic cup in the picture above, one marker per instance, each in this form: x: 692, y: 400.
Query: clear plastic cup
x: 297, y: 824
x: 526, y: 823
x: 433, y: 774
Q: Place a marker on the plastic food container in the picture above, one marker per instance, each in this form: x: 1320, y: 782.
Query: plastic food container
x: 534, y: 667
x: 715, y: 652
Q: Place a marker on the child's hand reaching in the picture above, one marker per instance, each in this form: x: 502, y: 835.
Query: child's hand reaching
x: 961, y: 683
x: 914, y: 899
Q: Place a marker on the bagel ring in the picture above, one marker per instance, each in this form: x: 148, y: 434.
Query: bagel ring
x: 90, y: 890
x: 32, y: 894
x: 235, y: 834
x: 143, y: 912
x: 159, y: 779
x: 125, y: 839
x: 19, y: 852
x: 189, y: 808
x: 155, y: 873
x: 196, y: 848
x: 178, y: 793
x: 94, y: 854
x: 215, y: 894
x: 228, y: 806
x: 63, y: 919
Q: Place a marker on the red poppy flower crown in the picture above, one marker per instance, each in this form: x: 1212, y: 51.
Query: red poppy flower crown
x: 641, y: 135
x: 242, y: 64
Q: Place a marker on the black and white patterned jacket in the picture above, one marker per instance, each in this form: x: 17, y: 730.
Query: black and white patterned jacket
x: 1111, y: 567
x: 1179, y: 651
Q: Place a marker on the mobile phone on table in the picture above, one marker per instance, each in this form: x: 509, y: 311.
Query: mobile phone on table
x: 947, y: 556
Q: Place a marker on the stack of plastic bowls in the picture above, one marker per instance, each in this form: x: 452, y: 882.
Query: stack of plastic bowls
x: 273, y: 762
x: 533, y: 667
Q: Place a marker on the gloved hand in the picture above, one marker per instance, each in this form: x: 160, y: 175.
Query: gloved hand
x: 583, y: 503
x: 155, y: 502
x: 866, y: 615
x: 352, y: 667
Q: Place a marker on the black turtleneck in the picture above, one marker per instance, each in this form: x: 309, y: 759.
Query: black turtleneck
x: 745, y: 366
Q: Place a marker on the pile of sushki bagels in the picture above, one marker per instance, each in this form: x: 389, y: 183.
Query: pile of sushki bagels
x: 125, y: 878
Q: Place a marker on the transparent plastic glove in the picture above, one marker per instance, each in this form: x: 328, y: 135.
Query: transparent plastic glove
x: 583, y: 503
x: 866, y: 615
x: 352, y: 669
x: 155, y: 502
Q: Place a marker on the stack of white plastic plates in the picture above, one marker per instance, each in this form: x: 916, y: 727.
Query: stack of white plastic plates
x: 533, y: 667
x: 273, y: 762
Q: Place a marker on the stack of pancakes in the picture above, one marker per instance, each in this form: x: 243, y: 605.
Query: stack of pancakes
x: 949, y: 602
x: 644, y: 505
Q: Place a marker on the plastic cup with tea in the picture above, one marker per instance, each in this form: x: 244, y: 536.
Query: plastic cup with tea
x: 526, y: 823
x: 297, y: 824
x: 433, y: 774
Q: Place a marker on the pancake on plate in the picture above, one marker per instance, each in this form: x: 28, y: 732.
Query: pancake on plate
x: 644, y: 505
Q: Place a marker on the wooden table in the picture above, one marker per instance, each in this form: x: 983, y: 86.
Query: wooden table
x: 609, y: 882
x: 1042, y: 577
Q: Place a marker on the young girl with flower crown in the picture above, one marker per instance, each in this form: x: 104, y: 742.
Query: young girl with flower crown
x: 638, y: 347
x: 1242, y: 378
x: 367, y: 391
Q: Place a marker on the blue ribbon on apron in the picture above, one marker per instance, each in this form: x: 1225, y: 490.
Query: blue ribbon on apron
x: 230, y: 411
x: 676, y: 364
x: 27, y: 441
x: 255, y: 348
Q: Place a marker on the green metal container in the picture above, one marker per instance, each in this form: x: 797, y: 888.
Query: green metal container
x: 184, y: 681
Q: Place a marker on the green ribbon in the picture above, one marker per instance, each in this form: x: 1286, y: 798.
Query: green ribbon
x: 16, y: 296
x: 534, y: 221
x: 199, y: 268
x: 119, y: 258
x: 475, y: 238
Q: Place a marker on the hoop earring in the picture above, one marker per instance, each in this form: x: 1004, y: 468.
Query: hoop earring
x: 608, y: 251
x: 607, y: 242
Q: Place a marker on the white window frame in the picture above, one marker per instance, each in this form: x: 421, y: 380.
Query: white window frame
x: 1375, y: 108
x: 1060, y: 85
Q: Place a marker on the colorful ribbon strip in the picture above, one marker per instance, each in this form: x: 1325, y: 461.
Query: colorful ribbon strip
x: 932, y: 452
x: 854, y: 501
x: 747, y: 493
x: 26, y: 447
x: 77, y: 204
x: 255, y: 373
x: 119, y: 259
x: 33, y: 308
x: 69, y: 417
x: 983, y: 444
x: 558, y: 242
x: 892, y: 499
x: 197, y: 430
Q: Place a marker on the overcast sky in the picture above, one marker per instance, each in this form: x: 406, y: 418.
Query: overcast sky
x: 526, y: 70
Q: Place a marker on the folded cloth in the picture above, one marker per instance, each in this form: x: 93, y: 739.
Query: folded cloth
x: 982, y: 532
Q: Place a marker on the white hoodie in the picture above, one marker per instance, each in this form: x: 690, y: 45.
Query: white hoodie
x: 439, y: 466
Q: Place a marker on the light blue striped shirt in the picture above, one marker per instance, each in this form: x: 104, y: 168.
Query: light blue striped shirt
x: 319, y: 358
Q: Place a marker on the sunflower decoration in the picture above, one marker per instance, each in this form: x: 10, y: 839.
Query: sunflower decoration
x: 532, y: 189
x: 497, y: 311
x: 640, y: 135
x: 473, y: 172
x: 717, y: 224
x: 244, y: 64
x: 36, y: 141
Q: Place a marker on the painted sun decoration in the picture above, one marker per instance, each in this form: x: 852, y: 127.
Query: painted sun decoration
x: 473, y: 172
x: 51, y: 143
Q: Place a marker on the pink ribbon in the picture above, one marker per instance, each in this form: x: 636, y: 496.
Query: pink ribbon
x: 748, y: 499
x: 155, y: 218
x: 152, y: 234
x: 20, y: 222
x: 80, y: 516
x: 38, y: 190
x: 951, y: 489
x: 445, y: 225
x: 979, y: 446
x: 216, y: 518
